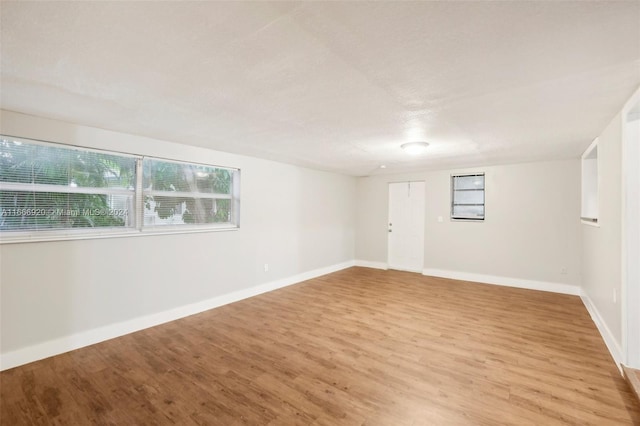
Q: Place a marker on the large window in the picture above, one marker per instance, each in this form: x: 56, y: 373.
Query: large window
x: 51, y: 191
x: 467, y: 197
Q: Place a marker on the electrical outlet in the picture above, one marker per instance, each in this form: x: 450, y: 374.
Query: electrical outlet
x: 266, y: 267
x: 615, y: 296
x: 563, y: 270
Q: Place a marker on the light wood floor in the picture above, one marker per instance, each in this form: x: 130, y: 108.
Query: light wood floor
x: 633, y: 379
x: 357, y: 347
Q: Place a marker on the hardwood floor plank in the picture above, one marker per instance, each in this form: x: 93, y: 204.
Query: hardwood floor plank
x: 357, y: 347
x: 632, y: 377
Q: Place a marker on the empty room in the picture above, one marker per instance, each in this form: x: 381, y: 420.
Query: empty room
x: 320, y: 213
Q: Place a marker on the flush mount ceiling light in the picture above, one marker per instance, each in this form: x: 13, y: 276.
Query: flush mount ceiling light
x: 414, y: 148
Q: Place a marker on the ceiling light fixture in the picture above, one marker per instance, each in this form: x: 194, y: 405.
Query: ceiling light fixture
x: 414, y: 148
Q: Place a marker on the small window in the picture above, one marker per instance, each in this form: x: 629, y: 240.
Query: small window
x: 467, y: 197
x: 589, y: 208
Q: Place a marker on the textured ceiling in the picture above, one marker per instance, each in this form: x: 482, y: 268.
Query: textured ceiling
x: 330, y: 85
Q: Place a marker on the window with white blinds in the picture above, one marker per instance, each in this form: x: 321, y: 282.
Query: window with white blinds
x: 467, y: 197
x: 52, y: 191
x: 178, y: 193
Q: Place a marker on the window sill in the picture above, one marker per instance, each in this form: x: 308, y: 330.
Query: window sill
x: 15, y: 238
x: 589, y: 221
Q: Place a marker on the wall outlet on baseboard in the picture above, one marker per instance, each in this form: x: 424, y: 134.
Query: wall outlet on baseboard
x: 266, y: 267
x: 615, y: 296
x: 563, y: 270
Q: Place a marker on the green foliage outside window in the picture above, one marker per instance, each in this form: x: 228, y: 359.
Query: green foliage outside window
x: 22, y: 163
x: 201, y: 180
x: 44, y: 186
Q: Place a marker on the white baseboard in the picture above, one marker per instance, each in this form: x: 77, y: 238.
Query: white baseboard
x: 90, y: 337
x: 505, y: 281
x: 370, y: 264
x: 607, y: 336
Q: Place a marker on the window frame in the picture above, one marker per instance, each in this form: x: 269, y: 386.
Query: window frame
x: 590, y: 185
x: 136, y: 226
x: 233, y: 196
x: 453, y: 199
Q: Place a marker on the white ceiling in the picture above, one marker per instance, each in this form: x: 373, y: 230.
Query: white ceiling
x: 331, y: 85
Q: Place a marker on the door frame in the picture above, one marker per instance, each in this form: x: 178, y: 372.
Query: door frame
x: 630, y: 253
x: 388, y: 221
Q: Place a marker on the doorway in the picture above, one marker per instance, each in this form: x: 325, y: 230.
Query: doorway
x: 406, y: 226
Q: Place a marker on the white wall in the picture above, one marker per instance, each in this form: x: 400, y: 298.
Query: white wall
x: 295, y: 219
x: 531, y: 231
x: 602, y: 245
x: 630, y: 295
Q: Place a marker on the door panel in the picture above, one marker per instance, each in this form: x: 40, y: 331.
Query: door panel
x: 406, y: 226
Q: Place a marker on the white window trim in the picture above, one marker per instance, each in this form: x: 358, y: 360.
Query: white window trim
x: 484, y: 197
x: 63, y: 189
x: 588, y: 220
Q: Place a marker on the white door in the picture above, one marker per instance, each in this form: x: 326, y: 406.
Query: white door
x: 406, y: 226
